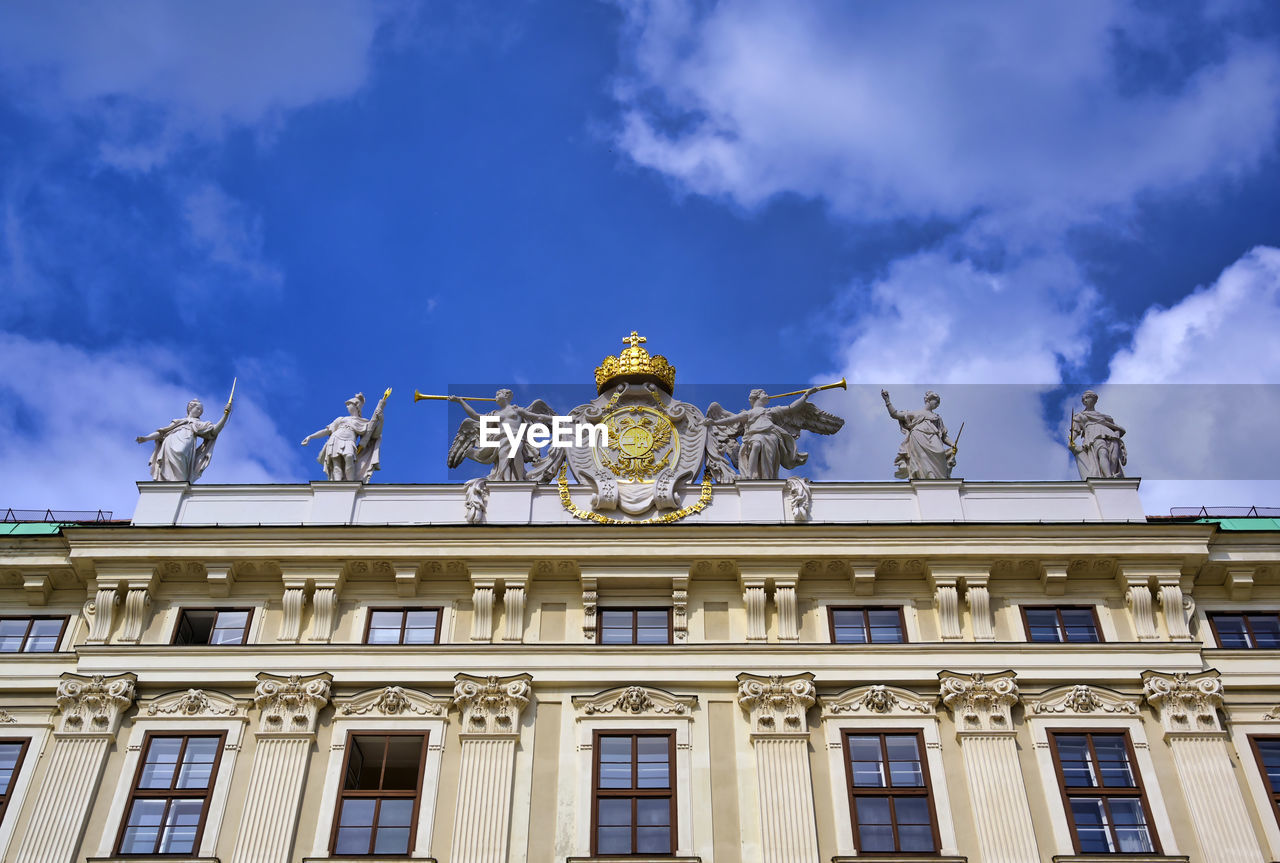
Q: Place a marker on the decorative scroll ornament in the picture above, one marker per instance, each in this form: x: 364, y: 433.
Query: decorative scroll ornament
x: 94, y: 705
x: 1081, y: 699
x: 491, y: 705
x: 291, y: 705
x: 392, y: 701
x: 1185, y: 702
x: 799, y: 498
x: 775, y: 704
x: 194, y: 702
x: 878, y: 699
x: 980, y: 702
x: 635, y: 701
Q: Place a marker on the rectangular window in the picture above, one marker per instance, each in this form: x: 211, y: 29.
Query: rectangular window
x: 382, y: 779
x: 889, y: 796
x: 11, y: 754
x: 1103, y: 793
x: 1260, y: 630
x: 31, y: 634
x: 218, y: 626
x: 634, y: 626
x: 169, y: 802
x: 1063, y: 623
x: 868, y: 626
x: 1267, y: 750
x: 633, y: 808
x: 403, y: 626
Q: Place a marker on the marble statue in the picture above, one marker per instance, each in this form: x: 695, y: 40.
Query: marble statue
x: 926, y: 452
x: 768, y: 434
x: 1096, y: 441
x: 799, y: 498
x: 508, y: 461
x: 185, y: 446
x: 351, y: 454
x: 475, y: 498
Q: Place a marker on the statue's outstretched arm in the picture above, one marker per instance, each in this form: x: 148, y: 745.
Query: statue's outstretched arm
x: 309, y: 438
x: 893, y: 412
x: 471, y: 412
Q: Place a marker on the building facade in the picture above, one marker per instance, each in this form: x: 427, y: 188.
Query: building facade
x: 925, y: 670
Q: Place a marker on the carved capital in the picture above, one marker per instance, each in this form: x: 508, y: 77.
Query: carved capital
x: 1185, y: 702
x: 491, y: 705
x: 291, y: 704
x: 775, y: 704
x: 980, y: 702
x: 93, y: 705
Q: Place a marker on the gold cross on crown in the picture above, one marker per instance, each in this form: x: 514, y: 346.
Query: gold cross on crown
x: 634, y: 339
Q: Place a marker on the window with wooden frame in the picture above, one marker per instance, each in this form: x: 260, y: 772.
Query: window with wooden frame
x: 214, y: 626
x: 381, y: 784
x: 1246, y: 631
x: 867, y: 625
x: 891, y: 806
x: 403, y: 626
x: 1103, y: 794
x: 1267, y: 751
x: 169, y: 802
x: 1059, y: 624
x: 12, y: 751
x: 634, y: 626
x: 31, y: 634
x: 633, y: 803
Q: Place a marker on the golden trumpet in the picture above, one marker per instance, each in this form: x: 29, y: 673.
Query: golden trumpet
x: 417, y: 397
x: 840, y: 383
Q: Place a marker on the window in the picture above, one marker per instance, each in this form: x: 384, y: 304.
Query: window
x: 1256, y: 630
x: 170, y: 798
x: 634, y: 626
x: 213, y: 626
x: 633, y: 810
x: 1103, y: 793
x: 382, y: 778
x: 403, y: 626
x: 867, y: 626
x: 1061, y: 623
x: 889, y: 793
x: 31, y: 634
x: 11, y: 754
x: 1267, y: 750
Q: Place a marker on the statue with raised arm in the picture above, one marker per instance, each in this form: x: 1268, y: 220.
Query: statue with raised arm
x: 926, y: 452
x: 1096, y: 441
x: 508, y: 458
x: 185, y: 446
x: 351, y: 454
x: 768, y: 434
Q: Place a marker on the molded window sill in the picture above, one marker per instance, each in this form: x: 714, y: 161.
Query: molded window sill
x: 368, y: 858
x: 1141, y: 857
x: 154, y: 858
x: 899, y: 858
x: 633, y: 858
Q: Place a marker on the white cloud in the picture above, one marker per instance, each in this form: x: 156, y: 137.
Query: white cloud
x: 229, y: 235
x: 69, y: 416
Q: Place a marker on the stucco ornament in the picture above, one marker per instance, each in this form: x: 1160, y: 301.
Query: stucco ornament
x: 491, y: 705
x: 94, y: 705
x: 392, y: 701
x: 1185, y: 702
x: 184, y: 448
x: 776, y: 704
x: 927, y: 452
x: 475, y: 499
x: 291, y: 704
x: 799, y: 498
x: 193, y: 702
x: 352, y: 452
x: 768, y: 435
x: 980, y: 702
x: 876, y: 699
x: 522, y: 463
x: 6, y: 717
x: 635, y: 701
x: 1082, y: 699
x: 1096, y: 441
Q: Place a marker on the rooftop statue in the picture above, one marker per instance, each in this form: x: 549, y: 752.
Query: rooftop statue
x: 768, y: 434
x: 1096, y: 441
x: 926, y: 452
x: 343, y: 458
x: 185, y: 446
x: 509, y: 462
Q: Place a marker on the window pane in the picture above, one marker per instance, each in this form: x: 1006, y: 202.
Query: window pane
x: 197, y: 762
x: 384, y: 627
x: 614, y: 811
x: 864, y: 748
x: 886, y: 626
x: 1266, y: 630
x: 43, y: 637
x: 615, y: 774
x: 403, y: 756
x: 1113, y: 761
x: 906, y: 774
x: 614, y: 840
x: 143, y: 827
x: 1131, y: 825
x: 617, y: 634
x: 180, y: 827
x: 161, y: 762
x: 9, y: 753
x: 391, y: 840
x: 364, y: 769
x: 614, y: 748
x: 196, y: 626
x: 357, y: 812
x: 902, y: 747
x: 849, y: 626
x: 420, y: 627
x: 653, y: 840
x: 1231, y: 631
x: 653, y: 635
x: 1269, y: 751
x: 652, y: 619
x: 1077, y: 768
x: 653, y: 754
x: 1079, y: 624
x: 653, y: 812
x: 875, y: 829
x: 230, y: 627
x: 1089, y: 815
x: 353, y: 840
x: 1043, y: 624
x: 11, y: 635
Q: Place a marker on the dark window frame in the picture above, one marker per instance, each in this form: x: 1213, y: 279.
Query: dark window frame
x: 866, y: 623
x: 925, y: 790
x: 403, y: 610
x: 6, y: 796
x: 1103, y: 791
x: 634, y: 793
x: 378, y: 793
x: 1092, y: 609
x: 634, y: 623
x: 30, y: 619
x: 217, y: 610
x: 1272, y: 793
x: 171, y: 793
x: 1244, y: 617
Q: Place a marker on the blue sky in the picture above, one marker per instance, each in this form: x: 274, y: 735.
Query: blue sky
x: 324, y: 198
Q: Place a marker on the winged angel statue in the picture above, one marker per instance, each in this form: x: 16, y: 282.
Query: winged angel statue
x: 508, y: 461
x: 769, y: 436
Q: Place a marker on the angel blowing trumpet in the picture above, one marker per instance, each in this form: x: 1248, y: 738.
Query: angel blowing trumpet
x: 769, y: 434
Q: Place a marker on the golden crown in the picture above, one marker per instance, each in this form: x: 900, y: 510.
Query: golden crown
x: 635, y: 364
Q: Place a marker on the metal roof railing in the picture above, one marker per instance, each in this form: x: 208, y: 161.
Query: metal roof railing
x: 12, y: 516
x: 1225, y: 511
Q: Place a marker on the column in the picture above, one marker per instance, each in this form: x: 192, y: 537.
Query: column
x: 777, y: 709
x: 754, y: 599
x: 90, y: 709
x: 288, y: 707
x: 981, y: 707
x: 978, y: 597
x: 1188, y: 706
x: 490, y: 709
